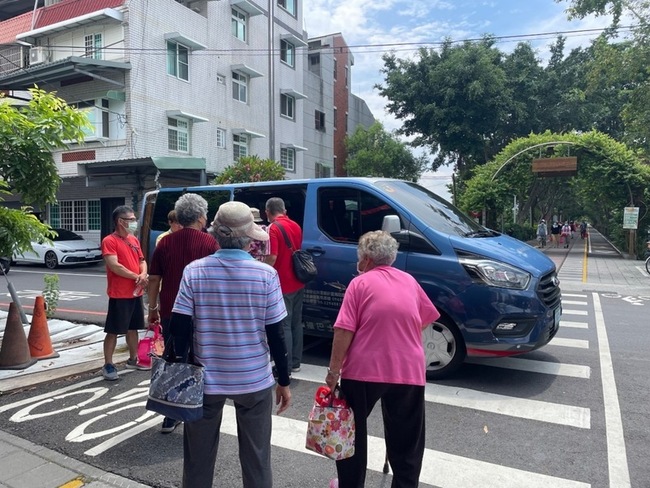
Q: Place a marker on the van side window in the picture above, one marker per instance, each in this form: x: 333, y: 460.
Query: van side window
x: 167, y: 199
x: 344, y: 214
x: 293, y: 196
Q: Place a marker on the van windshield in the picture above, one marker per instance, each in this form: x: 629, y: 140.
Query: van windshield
x: 437, y: 213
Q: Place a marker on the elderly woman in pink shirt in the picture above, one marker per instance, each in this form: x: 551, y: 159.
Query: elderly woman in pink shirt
x: 377, y: 354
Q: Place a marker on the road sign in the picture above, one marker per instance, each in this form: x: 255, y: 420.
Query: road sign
x: 631, y: 217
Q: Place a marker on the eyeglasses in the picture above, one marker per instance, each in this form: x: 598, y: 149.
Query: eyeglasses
x: 131, y: 219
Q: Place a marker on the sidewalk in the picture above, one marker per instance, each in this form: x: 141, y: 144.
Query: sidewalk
x: 26, y: 465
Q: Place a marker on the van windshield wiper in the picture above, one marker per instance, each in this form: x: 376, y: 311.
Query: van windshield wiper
x: 482, y: 233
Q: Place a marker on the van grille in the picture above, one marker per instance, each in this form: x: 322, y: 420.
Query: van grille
x: 548, y: 290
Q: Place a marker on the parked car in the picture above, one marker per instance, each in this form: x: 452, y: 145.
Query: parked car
x: 5, y: 265
x: 498, y: 296
x: 66, y: 248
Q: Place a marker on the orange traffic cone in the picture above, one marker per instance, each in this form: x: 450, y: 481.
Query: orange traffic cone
x: 40, y: 344
x: 14, y: 353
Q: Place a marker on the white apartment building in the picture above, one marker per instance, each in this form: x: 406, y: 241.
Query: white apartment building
x: 175, y: 90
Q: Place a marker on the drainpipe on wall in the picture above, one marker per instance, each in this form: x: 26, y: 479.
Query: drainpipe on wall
x: 271, y: 31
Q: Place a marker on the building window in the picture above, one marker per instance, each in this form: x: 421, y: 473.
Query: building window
x: 288, y: 158
x: 221, y: 138
x: 76, y: 215
x: 288, y: 5
x: 93, y: 46
x: 314, y: 63
x: 335, y: 114
x: 239, y: 87
x: 98, y: 114
x: 319, y: 119
x: 239, y: 146
x: 346, y: 123
x: 287, y: 53
x: 178, y: 60
x: 335, y: 67
x: 178, y: 134
x: 347, y: 72
x: 322, y: 171
x: 238, y: 24
x: 287, y: 105
x: 221, y: 79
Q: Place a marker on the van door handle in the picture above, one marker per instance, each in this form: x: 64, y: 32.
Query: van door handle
x: 315, y: 251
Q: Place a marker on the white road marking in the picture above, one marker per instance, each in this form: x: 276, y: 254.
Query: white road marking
x: 439, y: 468
x: 619, y: 474
x: 563, y: 342
x: 533, y: 366
x: 487, y: 402
x: 113, y: 441
x: 574, y: 325
x: 574, y: 312
x: 573, y: 295
x: 573, y: 302
x: 94, y: 275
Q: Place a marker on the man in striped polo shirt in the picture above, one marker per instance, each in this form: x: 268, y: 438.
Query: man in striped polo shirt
x: 178, y: 249
x: 230, y: 307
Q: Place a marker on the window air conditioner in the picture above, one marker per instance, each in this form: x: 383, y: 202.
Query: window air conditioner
x: 38, y: 55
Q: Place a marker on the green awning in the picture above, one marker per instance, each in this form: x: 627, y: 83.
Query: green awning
x: 167, y: 162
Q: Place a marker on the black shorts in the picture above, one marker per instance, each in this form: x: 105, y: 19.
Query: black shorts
x: 124, y: 314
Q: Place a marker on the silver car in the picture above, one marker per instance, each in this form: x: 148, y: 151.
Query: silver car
x: 66, y: 248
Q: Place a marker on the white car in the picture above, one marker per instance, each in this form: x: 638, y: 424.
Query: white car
x: 66, y: 248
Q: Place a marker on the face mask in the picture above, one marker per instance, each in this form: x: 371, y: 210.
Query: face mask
x: 132, y: 227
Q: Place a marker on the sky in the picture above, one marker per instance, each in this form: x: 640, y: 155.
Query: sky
x: 372, y: 27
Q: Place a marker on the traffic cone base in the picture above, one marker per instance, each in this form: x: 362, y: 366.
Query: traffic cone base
x: 14, y: 353
x: 40, y: 343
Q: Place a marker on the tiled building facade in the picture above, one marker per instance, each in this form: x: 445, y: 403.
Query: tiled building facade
x: 176, y: 91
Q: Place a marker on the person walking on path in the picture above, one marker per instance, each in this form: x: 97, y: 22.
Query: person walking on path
x: 377, y: 353
x: 555, y: 234
x: 566, y: 233
x: 230, y: 307
x: 126, y: 275
x: 169, y: 259
x: 542, y: 233
x: 293, y: 290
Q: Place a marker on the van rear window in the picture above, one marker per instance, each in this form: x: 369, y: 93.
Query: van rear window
x: 166, y: 199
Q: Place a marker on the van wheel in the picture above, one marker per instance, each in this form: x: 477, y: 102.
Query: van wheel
x: 444, y: 348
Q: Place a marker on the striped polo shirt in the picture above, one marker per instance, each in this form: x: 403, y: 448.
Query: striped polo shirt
x: 231, y: 297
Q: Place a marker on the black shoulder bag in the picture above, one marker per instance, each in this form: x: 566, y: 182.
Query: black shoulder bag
x: 303, y: 262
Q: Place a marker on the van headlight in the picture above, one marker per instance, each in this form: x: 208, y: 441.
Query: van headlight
x: 495, y: 273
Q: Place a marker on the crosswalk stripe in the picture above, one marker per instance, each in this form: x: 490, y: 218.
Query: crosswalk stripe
x: 555, y: 413
x: 574, y: 312
x: 439, y: 468
x: 574, y: 325
x: 573, y: 302
x: 574, y: 295
x: 564, y: 342
x: 533, y: 366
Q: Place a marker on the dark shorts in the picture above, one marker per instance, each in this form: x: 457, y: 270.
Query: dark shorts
x: 124, y: 314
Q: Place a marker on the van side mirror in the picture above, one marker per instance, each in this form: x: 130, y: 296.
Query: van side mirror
x: 391, y: 224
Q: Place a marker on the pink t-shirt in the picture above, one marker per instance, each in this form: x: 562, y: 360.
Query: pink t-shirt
x: 386, y: 309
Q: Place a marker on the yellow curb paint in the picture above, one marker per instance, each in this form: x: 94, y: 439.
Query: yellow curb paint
x: 76, y: 483
x: 584, y: 261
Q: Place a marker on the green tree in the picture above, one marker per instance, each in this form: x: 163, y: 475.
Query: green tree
x: 250, y: 168
x: 454, y: 101
x: 28, y: 135
x: 376, y: 152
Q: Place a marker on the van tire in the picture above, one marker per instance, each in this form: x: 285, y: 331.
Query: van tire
x: 444, y: 348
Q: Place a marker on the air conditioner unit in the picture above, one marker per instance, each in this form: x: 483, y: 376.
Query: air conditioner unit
x: 38, y: 55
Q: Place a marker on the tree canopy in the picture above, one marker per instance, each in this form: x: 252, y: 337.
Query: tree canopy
x: 376, y: 152
x: 28, y: 134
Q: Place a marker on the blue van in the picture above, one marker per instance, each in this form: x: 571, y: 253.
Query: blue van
x: 498, y: 296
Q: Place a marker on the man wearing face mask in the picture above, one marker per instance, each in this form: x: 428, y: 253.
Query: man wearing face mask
x: 126, y: 273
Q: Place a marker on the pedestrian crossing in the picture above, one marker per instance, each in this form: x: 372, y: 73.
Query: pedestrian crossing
x: 442, y: 469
